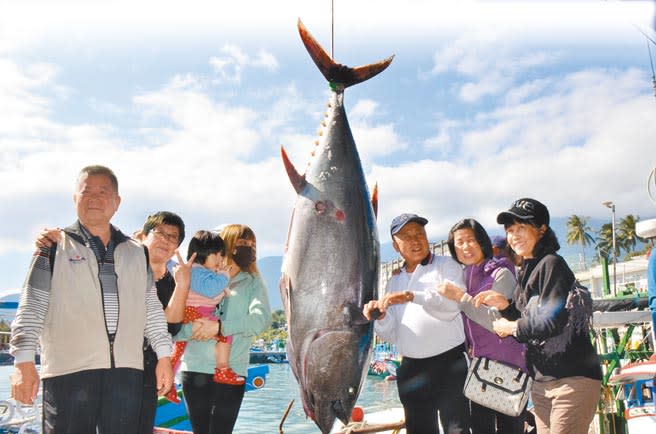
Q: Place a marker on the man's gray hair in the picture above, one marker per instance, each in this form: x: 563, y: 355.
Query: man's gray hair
x: 100, y: 170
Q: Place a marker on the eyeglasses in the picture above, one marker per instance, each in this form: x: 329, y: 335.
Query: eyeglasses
x: 166, y: 237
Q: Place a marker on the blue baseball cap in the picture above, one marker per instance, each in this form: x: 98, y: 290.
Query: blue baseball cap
x: 403, y: 219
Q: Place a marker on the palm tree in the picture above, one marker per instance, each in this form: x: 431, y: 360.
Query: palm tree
x: 278, y: 319
x: 605, y: 240
x: 626, y: 233
x: 578, y: 232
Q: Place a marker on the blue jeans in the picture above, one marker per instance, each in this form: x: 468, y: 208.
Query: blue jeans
x: 106, y: 401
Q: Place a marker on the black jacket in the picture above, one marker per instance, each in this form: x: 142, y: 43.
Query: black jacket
x: 543, y: 286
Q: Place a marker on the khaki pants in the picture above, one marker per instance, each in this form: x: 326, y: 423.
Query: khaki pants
x: 566, y: 405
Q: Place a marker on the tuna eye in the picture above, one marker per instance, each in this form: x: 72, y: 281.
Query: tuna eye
x: 320, y: 207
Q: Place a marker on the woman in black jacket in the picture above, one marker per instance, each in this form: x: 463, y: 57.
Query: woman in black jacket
x: 560, y: 355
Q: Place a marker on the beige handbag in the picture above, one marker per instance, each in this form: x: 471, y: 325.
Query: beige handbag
x: 498, y: 386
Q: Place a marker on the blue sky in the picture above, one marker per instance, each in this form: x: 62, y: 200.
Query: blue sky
x: 189, y: 103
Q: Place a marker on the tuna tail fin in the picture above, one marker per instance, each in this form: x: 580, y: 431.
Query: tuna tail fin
x: 336, y: 72
x: 298, y: 181
x: 374, y: 200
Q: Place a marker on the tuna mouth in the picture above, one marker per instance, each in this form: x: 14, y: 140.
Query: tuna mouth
x: 324, y: 417
x: 331, y: 393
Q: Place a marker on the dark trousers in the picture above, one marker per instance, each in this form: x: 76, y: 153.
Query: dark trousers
x: 106, y: 401
x: 434, y: 384
x: 487, y: 421
x: 212, y: 407
x: 149, y: 398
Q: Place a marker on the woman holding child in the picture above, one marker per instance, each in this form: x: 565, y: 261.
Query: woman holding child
x: 213, y: 407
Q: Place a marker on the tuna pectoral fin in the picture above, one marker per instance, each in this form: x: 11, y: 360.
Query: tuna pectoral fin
x: 297, y: 180
x: 374, y: 199
x: 336, y: 72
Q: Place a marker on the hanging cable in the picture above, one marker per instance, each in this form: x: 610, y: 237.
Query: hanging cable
x: 332, y: 29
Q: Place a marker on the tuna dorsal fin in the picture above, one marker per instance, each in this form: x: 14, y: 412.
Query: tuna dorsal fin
x: 336, y: 72
x: 374, y: 200
x: 297, y: 180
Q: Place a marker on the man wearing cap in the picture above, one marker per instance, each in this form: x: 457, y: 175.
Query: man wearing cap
x: 427, y: 329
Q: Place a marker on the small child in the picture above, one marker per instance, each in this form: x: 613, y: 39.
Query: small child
x: 209, y: 285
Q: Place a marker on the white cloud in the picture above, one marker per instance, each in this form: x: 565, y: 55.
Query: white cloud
x: 373, y: 140
x: 201, y: 125
x: 230, y: 64
x: 489, y: 62
x: 589, y: 140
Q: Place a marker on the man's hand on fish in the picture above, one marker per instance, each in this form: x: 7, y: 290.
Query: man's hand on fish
x: 372, y: 311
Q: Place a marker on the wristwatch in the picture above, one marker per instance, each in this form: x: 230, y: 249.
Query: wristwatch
x: 514, y: 329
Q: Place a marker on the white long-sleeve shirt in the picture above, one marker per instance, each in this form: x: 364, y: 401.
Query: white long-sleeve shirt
x: 430, y: 324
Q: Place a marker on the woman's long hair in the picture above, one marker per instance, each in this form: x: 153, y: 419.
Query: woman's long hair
x: 232, y: 233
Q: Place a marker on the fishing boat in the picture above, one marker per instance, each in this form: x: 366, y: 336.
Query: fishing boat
x: 636, y: 383
x: 385, y: 360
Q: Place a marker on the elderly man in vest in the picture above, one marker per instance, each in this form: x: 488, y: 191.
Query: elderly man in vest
x: 89, y: 301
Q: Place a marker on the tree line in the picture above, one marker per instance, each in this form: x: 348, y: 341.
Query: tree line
x: 580, y: 232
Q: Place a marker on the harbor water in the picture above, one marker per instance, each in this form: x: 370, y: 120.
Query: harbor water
x: 263, y: 409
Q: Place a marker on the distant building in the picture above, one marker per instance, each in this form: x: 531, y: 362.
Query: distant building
x: 631, y: 277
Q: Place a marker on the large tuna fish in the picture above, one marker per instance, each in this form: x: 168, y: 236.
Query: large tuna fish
x: 331, y: 258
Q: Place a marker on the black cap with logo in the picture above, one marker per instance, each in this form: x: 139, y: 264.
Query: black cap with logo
x: 525, y: 209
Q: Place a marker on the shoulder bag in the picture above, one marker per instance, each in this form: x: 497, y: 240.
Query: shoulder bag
x: 496, y: 385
